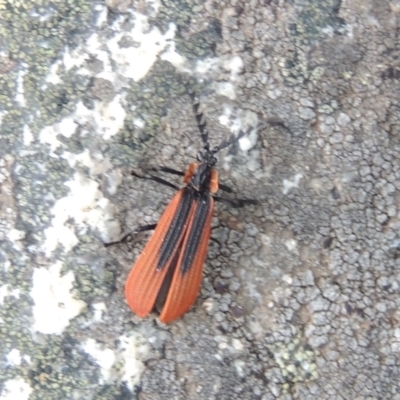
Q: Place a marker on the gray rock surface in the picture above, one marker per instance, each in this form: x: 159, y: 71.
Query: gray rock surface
x: 301, y: 294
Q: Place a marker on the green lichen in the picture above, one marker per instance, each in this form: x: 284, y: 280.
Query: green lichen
x: 296, y: 361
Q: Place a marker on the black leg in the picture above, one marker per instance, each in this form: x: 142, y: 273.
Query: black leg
x: 236, y: 203
x: 156, y: 179
x: 128, y: 236
x: 225, y: 188
x: 173, y: 171
x: 216, y: 241
x: 169, y: 171
x: 200, y: 119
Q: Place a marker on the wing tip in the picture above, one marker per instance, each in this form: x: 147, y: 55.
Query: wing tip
x: 166, y: 319
x: 140, y: 311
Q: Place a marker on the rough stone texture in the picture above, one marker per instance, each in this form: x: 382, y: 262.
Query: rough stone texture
x: 301, y: 294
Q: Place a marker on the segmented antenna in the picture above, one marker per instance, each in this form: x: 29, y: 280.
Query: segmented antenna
x: 201, y: 120
x: 202, y: 125
x: 227, y: 142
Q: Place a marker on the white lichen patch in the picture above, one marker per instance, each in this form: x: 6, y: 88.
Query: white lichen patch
x: 105, y: 358
x: 178, y: 61
x: 134, y: 349
x: 15, y: 389
x: 99, y: 309
x: 106, y: 119
x: 14, y: 358
x: 291, y: 245
x: 143, y: 44
x: 54, y: 302
x: 86, y: 206
x: 122, y: 365
x: 27, y: 135
x: 235, y: 66
x: 20, y: 90
x: 129, y: 61
x: 288, y: 185
x: 5, y: 292
x: 226, y: 89
x: 205, y: 65
x: 237, y: 121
